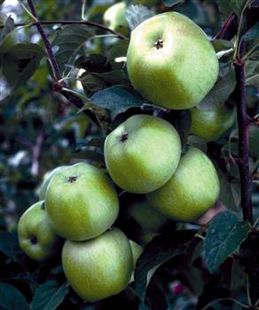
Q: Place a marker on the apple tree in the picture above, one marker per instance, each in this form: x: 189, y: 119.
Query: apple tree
x: 176, y: 226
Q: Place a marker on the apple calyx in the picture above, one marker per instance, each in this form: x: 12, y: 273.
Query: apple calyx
x: 72, y: 179
x: 33, y: 240
x: 159, y: 44
x: 124, y: 137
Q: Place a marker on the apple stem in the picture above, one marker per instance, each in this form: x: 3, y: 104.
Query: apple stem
x: 243, y: 129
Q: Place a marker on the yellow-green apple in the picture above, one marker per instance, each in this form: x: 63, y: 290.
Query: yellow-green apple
x: 142, y: 153
x: 100, y: 267
x: 81, y: 202
x: 191, y: 191
x: 211, y: 124
x: 35, y: 233
x: 171, y: 62
x: 46, y: 179
x: 114, y: 17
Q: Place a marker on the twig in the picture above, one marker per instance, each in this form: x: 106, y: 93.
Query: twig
x: 36, y: 152
x: 52, y: 59
x: 72, y: 22
x: 243, y: 131
x: 229, y: 28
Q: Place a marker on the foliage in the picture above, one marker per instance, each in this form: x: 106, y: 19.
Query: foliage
x: 186, y: 265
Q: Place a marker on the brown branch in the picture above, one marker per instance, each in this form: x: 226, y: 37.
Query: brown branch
x: 243, y: 129
x: 229, y: 28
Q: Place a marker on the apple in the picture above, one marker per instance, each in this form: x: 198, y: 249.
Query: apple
x: 46, y: 179
x: 35, y: 233
x: 211, y: 124
x: 191, y: 191
x: 140, y: 211
x: 171, y: 62
x: 114, y: 17
x: 81, y: 203
x: 142, y: 153
x: 100, y: 267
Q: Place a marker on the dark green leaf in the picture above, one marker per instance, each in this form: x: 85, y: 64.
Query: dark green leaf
x: 227, y: 7
x: 70, y: 40
x: 254, y: 141
x: 21, y: 61
x: 8, y: 27
x: 224, y: 236
x: 49, y: 295
x: 220, y: 92
x: 11, y: 298
x: 157, y: 252
x: 9, y: 244
x: 116, y: 99
x: 136, y: 14
x: 172, y: 2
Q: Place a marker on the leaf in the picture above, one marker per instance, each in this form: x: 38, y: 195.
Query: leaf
x: 8, y: 27
x: 224, y: 236
x: 11, y: 298
x: 21, y: 61
x: 220, y: 92
x: 49, y: 295
x: 254, y: 141
x: 9, y: 244
x: 69, y: 41
x: 172, y: 2
x: 157, y: 252
x: 227, y: 7
x: 136, y: 14
x: 116, y: 99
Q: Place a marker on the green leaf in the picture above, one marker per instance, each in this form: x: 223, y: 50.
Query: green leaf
x: 172, y: 2
x: 49, y: 295
x: 11, y: 298
x: 227, y: 7
x: 9, y: 244
x: 69, y: 41
x: 21, y: 61
x: 136, y: 14
x: 224, y: 236
x: 116, y: 99
x: 220, y: 92
x: 157, y: 252
x: 254, y: 141
x: 8, y: 27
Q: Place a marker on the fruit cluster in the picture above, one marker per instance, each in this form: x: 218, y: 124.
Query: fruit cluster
x: 143, y: 155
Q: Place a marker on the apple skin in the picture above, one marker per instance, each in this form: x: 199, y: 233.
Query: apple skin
x: 98, y: 268
x: 81, y: 202
x: 114, y: 17
x: 192, y: 190
x: 211, y: 124
x: 142, y: 153
x: 46, y: 179
x: 171, y: 62
x: 36, y: 235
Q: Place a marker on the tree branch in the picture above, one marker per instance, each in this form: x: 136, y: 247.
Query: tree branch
x: 243, y: 129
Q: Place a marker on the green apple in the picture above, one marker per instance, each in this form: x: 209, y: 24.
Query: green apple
x: 211, y: 124
x: 148, y: 218
x: 98, y: 268
x: 114, y: 17
x: 192, y: 190
x: 142, y: 153
x: 171, y: 62
x: 35, y: 233
x: 46, y: 179
x: 81, y: 202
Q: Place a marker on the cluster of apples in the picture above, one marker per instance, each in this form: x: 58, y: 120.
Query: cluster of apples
x: 170, y: 62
